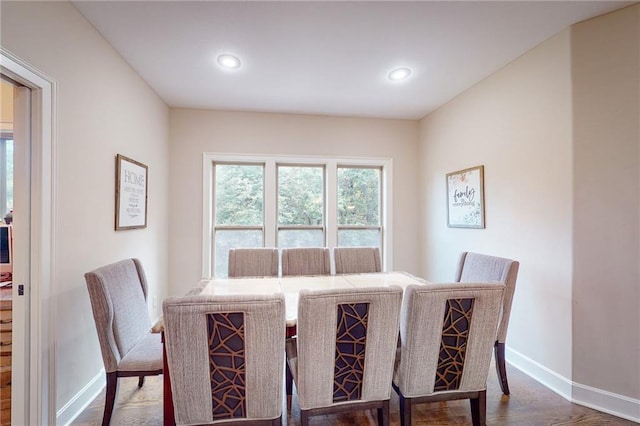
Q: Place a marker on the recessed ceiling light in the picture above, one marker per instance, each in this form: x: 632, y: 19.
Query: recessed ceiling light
x: 399, y: 74
x: 229, y: 61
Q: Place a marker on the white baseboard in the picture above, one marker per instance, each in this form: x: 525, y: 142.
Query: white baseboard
x: 81, y: 400
x: 598, y: 399
x: 607, y: 402
x: 554, y: 381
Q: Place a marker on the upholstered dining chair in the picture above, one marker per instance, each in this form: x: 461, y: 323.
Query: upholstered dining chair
x: 356, y: 260
x: 446, y: 335
x: 253, y: 262
x: 226, y: 358
x: 475, y: 267
x: 118, y: 295
x: 342, y: 357
x: 306, y: 261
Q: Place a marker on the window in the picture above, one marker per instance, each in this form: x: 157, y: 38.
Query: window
x: 359, y: 206
x: 270, y: 201
x: 301, y: 206
x: 239, y: 210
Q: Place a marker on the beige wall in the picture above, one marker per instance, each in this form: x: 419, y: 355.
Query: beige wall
x: 606, y: 281
x: 196, y: 131
x: 517, y: 123
x: 558, y: 131
x: 103, y: 108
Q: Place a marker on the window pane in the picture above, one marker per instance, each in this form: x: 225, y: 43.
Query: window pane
x: 358, y: 196
x: 300, y: 195
x: 300, y: 238
x: 227, y: 239
x: 238, y: 194
x: 359, y: 238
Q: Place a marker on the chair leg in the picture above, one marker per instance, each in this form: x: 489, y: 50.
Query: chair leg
x: 304, y: 417
x: 501, y: 368
x: 111, y: 395
x: 288, y: 379
x: 405, y: 410
x: 383, y: 414
x: 140, y: 381
x: 479, y: 409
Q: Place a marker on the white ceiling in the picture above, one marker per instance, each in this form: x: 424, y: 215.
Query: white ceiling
x: 326, y: 57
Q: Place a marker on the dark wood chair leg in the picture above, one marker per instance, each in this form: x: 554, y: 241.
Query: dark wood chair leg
x: 383, y: 414
x: 140, y: 381
x: 167, y: 397
x: 110, y: 399
x: 405, y: 417
x: 288, y: 379
x: 479, y: 409
x: 501, y: 368
x: 304, y: 417
x: 405, y: 410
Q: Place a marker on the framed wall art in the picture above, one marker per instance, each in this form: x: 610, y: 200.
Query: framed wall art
x: 465, y: 198
x: 131, y: 194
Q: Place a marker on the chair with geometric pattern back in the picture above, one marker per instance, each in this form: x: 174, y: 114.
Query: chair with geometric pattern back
x: 342, y: 357
x: 226, y: 356
x: 446, y: 335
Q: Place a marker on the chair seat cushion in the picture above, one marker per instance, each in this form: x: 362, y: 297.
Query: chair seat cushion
x: 146, y: 355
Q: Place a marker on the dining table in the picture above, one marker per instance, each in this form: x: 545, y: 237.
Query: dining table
x: 290, y: 286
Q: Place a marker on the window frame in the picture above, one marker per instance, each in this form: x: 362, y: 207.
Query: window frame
x: 270, y: 198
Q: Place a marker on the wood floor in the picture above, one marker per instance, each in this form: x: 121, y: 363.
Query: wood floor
x: 529, y: 404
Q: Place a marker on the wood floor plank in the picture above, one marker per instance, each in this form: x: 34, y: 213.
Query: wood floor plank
x: 529, y: 404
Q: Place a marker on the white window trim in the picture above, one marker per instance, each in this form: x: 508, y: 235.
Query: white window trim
x: 270, y: 161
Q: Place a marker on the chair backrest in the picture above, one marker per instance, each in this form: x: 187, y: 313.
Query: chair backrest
x: 474, y: 267
x: 347, y: 341
x: 226, y: 356
x: 356, y: 260
x: 306, y: 261
x: 447, y: 332
x: 253, y: 262
x: 118, y: 294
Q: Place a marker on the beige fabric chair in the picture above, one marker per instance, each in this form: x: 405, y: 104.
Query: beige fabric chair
x: 118, y: 294
x: 474, y: 267
x: 226, y: 358
x: 342, y: 358
x: 446, y: 335
x: 306, y: 261
x: 357, y: 260
x: 253, y: 262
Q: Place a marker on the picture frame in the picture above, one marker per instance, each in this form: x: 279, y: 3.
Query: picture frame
x: 131, y: 194
x: 465, y: 198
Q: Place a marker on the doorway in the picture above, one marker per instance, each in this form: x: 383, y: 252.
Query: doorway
x: 8, y: 93
x: 32, y: 348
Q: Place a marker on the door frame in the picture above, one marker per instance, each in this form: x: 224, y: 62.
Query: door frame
x: 39, y: 308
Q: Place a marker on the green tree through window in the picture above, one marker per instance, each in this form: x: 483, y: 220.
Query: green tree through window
x: 283, y: 202
x: 239, y: 210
